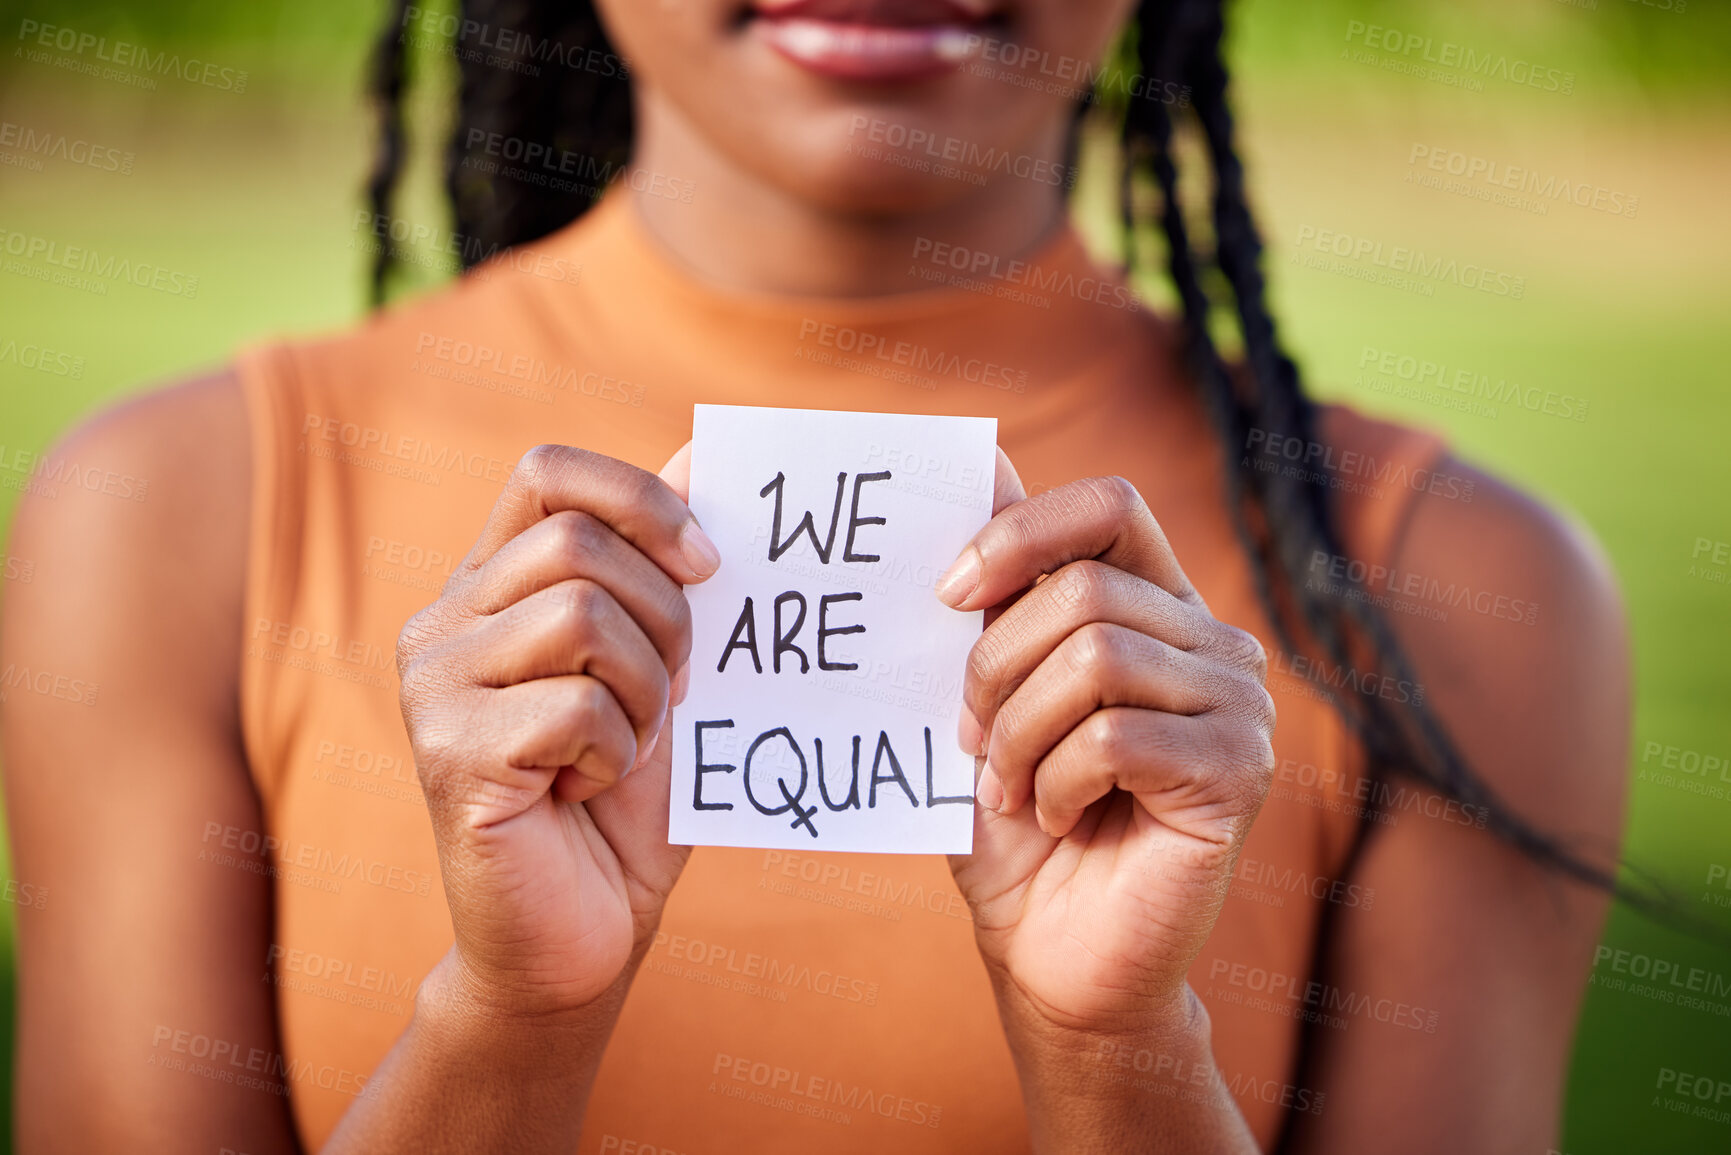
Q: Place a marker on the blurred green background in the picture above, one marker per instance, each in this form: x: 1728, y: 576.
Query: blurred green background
x: 255, y: 193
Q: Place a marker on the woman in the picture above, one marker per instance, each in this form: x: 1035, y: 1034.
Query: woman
x: 264, y: 937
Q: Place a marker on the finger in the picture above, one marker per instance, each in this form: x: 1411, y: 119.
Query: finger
x: 641, y: 508
x: 681, y: 685
x: 572, y: 727
x: 1006, y: 491
x: 1031, y: 628
x: 1102, y: 518
x: 632, y: 814
x: 575, y: 627
x: 506, y: 757
x: 1097, y: 666
x: 1200, y: 775
x: 1004, y: 846
x: 572, y: 544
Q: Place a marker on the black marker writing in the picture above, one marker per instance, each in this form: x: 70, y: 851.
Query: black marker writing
x: 802, y: 815
x: 854, y: 520
x: 776, y: 549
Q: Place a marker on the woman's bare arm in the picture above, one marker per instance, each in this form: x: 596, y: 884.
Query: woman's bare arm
x: 147, y: 1018
x: 1487, y: 950
x: 141, y: 973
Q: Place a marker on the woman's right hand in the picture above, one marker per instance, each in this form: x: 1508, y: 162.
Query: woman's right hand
x: 536, y: 691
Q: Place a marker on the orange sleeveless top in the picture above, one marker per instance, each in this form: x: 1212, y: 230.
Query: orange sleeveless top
x: 791, y: 1002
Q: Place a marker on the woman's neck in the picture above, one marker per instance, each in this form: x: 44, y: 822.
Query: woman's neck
x: 741, y: 230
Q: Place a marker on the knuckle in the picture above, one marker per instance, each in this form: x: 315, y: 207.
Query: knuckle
x: 1113, y: 737
x: 585, y: 706
x: 439, y: 789
x: 985, y: 659
x: 577, y: 533
x: 1019, y: 529
x: 1008, y: 727
x: 437, y: 741
x: 1255, y: 776
x: 1113, y: 492
x: 1251, y: 750
x: 1080, y: 587
x: 413, y: 680
x: 645, y: 489
x: 1241, y: 649
x: 1267, y: 715
x: 533, y: 467
x: 1096, y: 649
x: 608, y: 749
x: 464, y: 583
x: 577, y: 601
x: 414, y: 638
x: 429, y: 691
x: 1239, y: 695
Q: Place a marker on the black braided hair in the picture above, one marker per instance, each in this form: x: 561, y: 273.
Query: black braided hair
x: 1282, y: 518
x: 388, y: 83
x: 534, y: 79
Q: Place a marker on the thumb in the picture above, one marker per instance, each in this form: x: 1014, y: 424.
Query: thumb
x: 677, y: 472
x: 1006, y: 489
x: 1008, y: 849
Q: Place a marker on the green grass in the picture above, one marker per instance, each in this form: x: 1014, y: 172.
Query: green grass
x: 255, y: 195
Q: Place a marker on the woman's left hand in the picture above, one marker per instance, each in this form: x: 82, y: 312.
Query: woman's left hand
x: 1126, y: 741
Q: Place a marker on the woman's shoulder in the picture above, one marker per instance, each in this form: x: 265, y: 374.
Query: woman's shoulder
x: 135, y: 523
x: 1373, y: 472
x: 164, y: 479
x: 148, y: 462
x: 1444, y: 511
x: 1509, y: 609
x: 1359, y: 432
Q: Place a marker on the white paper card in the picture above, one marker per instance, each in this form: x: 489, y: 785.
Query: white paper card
x: 826, y: 676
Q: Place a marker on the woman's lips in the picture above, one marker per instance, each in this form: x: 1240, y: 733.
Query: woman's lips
x: 868, y: 51
x: 861, y: 40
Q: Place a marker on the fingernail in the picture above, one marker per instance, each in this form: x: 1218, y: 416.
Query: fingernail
x: 681, y: 684
x: 645, y: 751
x: 969, y: 735
x: 961, y: 579
x: 700, y: 553
x: 990, y: 790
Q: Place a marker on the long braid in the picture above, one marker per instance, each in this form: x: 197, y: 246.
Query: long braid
x: 1292, y: 515
x: 1298, y: 519
x: 387, y: 82
x: 1289, y: 519
x: 547, y: 83
x: 557, y: 86
x: 1163, y: 44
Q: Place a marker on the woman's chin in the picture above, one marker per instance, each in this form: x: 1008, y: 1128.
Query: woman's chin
x: 835, y: 177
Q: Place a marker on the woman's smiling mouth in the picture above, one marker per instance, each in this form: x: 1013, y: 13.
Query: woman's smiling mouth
x: 872, y: 40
